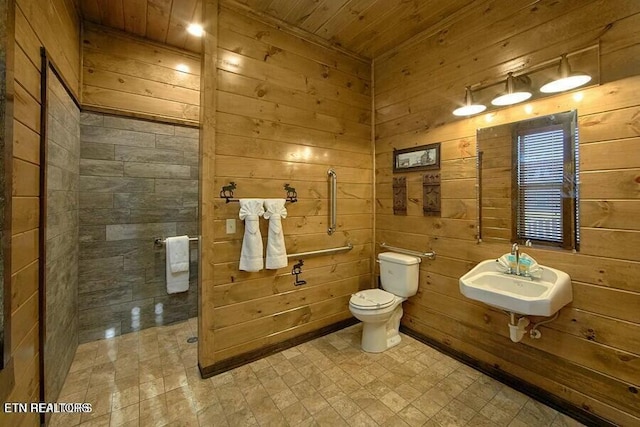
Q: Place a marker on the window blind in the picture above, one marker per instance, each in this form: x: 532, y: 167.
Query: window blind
x: 540, y: 178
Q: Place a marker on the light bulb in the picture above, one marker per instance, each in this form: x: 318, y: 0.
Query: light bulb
x: 195, y: 30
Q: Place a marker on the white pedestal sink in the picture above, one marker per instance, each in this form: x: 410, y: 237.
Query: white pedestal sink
x: 528, y: 296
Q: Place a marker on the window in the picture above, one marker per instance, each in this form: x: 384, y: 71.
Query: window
x: 546, y: 211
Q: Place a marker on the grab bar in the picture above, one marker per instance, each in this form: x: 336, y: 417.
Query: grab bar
x: 332, y: 201
x: 430, y: 255
x: 321, y: 251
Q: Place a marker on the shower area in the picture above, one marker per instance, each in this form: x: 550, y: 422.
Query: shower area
x: 113, y: 185
x: 138, y: 182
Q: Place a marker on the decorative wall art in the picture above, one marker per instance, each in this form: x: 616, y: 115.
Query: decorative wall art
x: 400, y: 196
x: 421, y: 158
x: 431, y: 194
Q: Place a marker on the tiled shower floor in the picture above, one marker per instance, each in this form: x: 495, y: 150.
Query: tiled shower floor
x: 150, y: 378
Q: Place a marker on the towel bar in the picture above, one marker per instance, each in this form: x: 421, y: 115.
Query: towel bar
x: 227, y: 193
x: 159, y: 241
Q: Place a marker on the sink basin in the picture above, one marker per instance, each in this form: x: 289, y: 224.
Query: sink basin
x: 542, y: 296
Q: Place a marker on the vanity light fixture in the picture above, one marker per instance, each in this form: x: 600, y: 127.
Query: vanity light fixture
x: 525, y: 81
x: 512, y: 96
x: 469, y: 107
x: 566, y: 79
x: 195, y: 30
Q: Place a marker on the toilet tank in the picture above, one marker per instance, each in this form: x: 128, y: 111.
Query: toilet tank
x: 399, y: 273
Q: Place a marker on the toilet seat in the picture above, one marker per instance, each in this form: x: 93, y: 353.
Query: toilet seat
x: 372, y: 299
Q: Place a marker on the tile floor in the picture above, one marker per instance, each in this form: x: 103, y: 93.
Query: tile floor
x: 151, y: 378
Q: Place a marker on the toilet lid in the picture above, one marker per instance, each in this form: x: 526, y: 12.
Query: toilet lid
x: 372, y: 298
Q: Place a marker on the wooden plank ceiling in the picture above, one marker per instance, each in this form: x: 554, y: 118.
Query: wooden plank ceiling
x: 163, y: 21
x: 366, y: 27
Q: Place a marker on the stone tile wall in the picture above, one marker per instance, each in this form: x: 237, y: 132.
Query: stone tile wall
x: 138, y: 181
x: 63, y: 159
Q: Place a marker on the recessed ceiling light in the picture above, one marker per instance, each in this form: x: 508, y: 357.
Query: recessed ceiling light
x: 195, y: 30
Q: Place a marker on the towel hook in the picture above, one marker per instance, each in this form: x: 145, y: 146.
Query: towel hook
x: 296, y: 271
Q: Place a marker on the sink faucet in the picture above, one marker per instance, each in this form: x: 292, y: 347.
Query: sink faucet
x: 515, y: 250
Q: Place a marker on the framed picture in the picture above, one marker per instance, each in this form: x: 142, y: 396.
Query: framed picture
x: 417, y: 158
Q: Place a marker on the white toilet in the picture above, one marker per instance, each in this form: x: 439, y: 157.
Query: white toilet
x: 380, y: 310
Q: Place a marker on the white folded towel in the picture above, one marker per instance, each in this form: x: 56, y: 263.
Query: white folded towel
x: 507, y: 262
x: 251, y: 255
x: 178, y: 253
x: 276, y: 250
x: 177, y: 249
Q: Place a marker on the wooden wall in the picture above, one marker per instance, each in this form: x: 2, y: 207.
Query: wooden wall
x: 590, y: 355
x: 52, y: 24
x: 126, y: 75
x: 287, y: 110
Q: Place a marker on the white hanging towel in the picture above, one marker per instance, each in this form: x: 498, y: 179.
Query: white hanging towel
x: 177, y: 264
x: 251, y: 256
x: 276, y: 250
